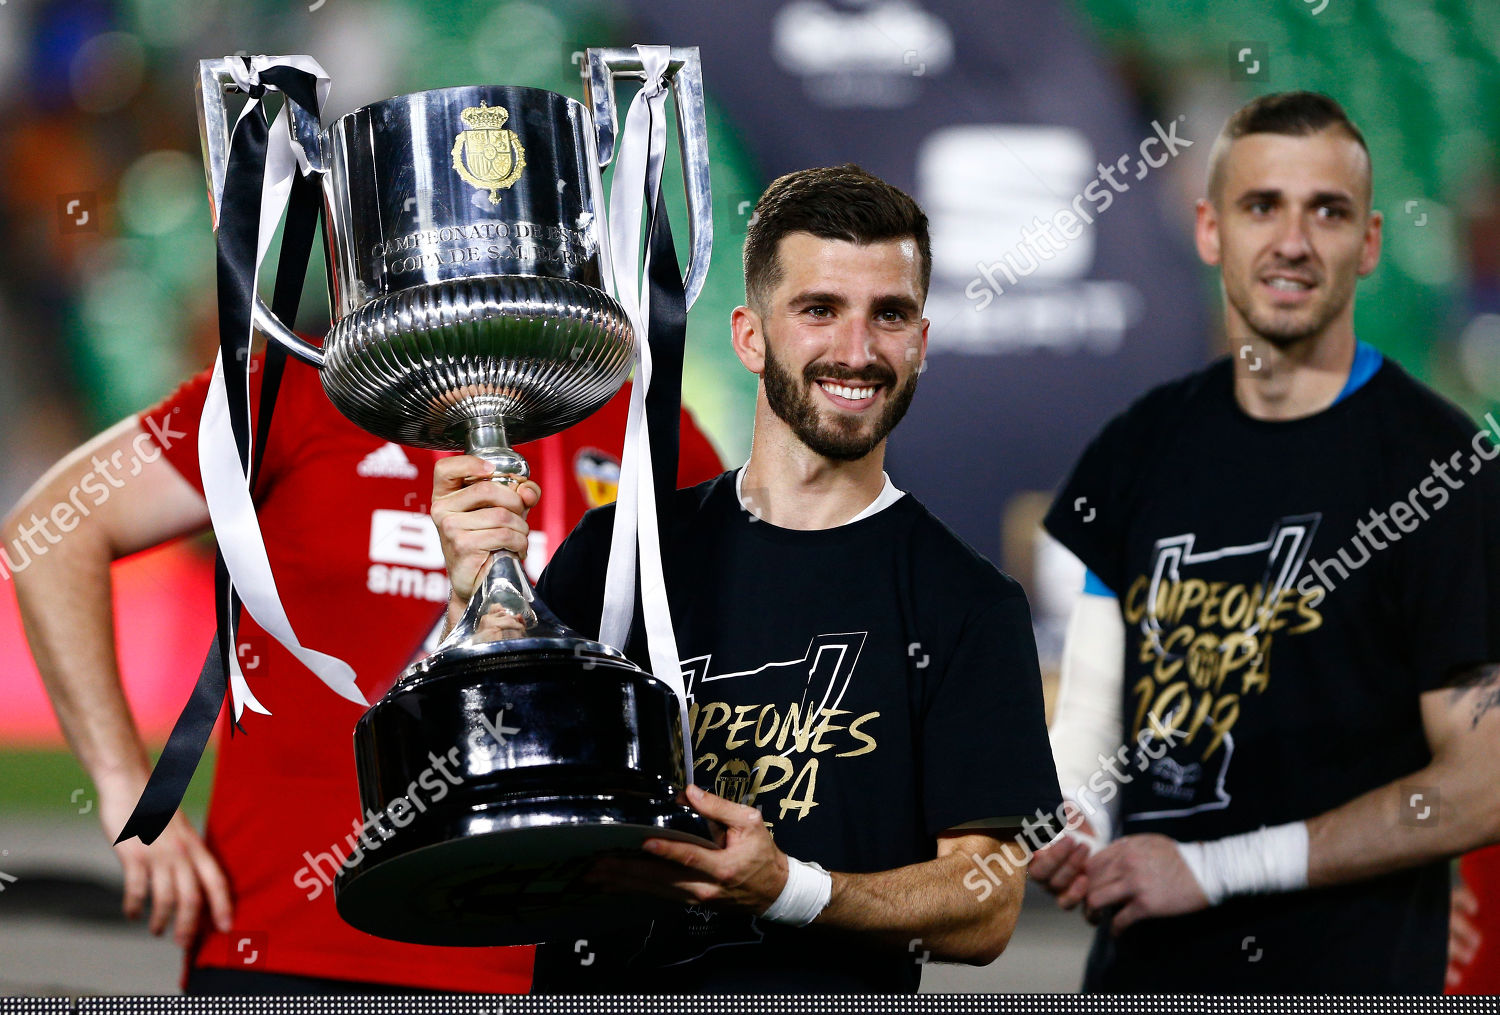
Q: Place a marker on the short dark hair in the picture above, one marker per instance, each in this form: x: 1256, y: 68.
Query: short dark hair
x: 833, y: 203
x: 1295, y: 114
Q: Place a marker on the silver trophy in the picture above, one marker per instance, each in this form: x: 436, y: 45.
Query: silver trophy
x: 468, y: 267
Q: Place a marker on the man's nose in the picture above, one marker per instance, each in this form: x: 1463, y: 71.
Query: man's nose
x: 1292, y: 242
x: 854, y: 345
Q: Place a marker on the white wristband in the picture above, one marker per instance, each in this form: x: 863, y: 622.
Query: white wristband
x: 806, y: 893
x: 1266, y: 860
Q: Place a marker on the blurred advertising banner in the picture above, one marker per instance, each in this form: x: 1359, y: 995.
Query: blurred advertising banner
x: 1063, y: 283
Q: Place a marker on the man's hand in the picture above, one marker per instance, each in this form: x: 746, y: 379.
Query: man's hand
x: 928, y: 900
x: 176, y: 873
x: 747, y: 874
x: 1143, y: 875
x: 1058, y: 867
x: 475, y: 517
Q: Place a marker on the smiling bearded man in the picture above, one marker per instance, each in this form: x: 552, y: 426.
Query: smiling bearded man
x: 866, y: 705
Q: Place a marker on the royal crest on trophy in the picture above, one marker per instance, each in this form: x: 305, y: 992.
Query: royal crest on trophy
x: 486, y: 154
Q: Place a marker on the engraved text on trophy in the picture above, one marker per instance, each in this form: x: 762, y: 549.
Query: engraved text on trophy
x: 517, y: 241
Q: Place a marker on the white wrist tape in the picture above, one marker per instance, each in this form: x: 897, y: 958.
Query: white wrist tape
x: 807, y: 891
x: 1266, y: 860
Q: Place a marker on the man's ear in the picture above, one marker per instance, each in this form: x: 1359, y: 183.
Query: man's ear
x: 748, y: 338
x: 1369, y: 252
x: 1206, y: 231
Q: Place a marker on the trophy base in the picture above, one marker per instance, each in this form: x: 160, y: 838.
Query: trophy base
x: 491, y: 780
x: 511, y: 878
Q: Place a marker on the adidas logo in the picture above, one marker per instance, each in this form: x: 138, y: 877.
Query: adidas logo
x: 387, y: 462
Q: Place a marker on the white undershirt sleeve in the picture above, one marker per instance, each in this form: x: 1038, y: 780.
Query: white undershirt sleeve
x: 1087, y: 721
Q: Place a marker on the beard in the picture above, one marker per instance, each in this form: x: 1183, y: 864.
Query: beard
x: 1285, y: 328
x: 835, y: 435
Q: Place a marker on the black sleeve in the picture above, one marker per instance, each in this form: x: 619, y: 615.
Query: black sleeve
x: 1448, y: 580
x: 985, y: 752
x: 572, y: 583
x: 1090, y: 513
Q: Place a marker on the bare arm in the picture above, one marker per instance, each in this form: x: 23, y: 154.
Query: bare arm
x: 926, y: 902
x: 1450, y: 806
x: 1388, y: 829
x: 929, y: 905
x: 109, y: 498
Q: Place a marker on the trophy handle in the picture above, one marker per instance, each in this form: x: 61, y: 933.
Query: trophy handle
x: 600, y: 70
x: 214, y: 80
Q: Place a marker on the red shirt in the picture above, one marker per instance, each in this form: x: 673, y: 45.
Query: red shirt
x: 360, y: 571
x: 1480, y: 870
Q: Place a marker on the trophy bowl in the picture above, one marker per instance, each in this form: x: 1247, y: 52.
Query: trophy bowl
x: 468, y: 267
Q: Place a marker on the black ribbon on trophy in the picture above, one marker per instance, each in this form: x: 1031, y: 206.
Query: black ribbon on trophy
x: 237, y: 237
x: 668, y: 338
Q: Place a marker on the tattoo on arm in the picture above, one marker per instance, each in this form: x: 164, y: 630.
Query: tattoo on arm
x: 1482, y: 685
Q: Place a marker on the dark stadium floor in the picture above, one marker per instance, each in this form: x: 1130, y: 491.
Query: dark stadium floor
x: 61, y: 931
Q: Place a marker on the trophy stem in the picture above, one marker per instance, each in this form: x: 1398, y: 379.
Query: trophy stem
x: 503, y: 585
x: 486, y: 439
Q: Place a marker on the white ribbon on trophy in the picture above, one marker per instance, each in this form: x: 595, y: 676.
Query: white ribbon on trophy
x: 225, y: 484
x: 633, y: 193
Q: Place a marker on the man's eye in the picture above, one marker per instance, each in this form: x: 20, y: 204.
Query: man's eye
x: 1329, y: 212
x: 818, y: 311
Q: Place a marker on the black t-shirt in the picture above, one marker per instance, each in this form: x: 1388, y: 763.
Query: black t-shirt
x: 867, y: 687
x: 1282, y: 652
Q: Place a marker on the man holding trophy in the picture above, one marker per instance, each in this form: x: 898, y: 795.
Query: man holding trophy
x: 864, y: 687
